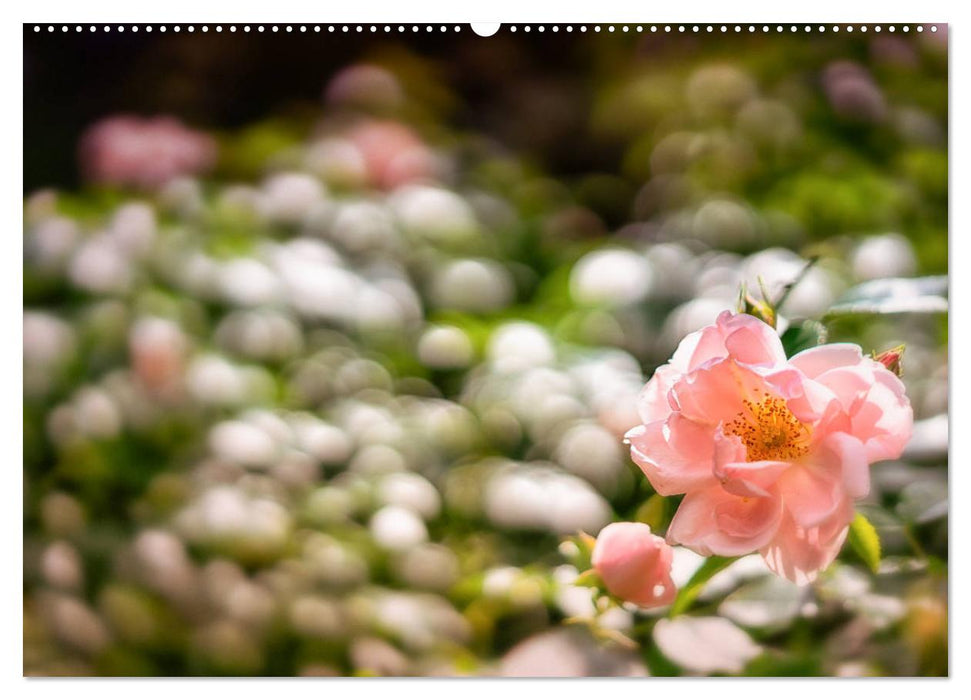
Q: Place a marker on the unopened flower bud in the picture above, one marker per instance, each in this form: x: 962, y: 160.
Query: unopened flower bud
x: 635, y: 564
x: 891, y: 359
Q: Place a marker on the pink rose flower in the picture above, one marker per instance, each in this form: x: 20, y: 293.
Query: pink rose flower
x: 144, y: 153
x: 770, y: 453
x: 635, y: 564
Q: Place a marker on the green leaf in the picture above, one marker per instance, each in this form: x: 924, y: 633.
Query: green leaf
x: 799, y: 337
x: 920, y: 295
x: 589, y: 579
x: 865, y: 541
x: 691, y: 590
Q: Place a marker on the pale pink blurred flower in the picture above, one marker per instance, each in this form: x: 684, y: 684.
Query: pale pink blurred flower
x: 143, y: 152
x: 364, y: 86
x: 635, y: 564
x: 159, y: 351
x: 852, y: 93
x: 770, y: 453
x: 894, y: 51
x: 393, y: 153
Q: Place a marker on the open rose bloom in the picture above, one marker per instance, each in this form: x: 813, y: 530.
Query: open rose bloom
x: 770, y: 452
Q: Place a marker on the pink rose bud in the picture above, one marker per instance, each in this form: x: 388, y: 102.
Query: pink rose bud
x: 891, y: 359
x: 635, y: 564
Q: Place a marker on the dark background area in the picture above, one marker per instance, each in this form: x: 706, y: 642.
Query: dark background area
x: 228, y: 79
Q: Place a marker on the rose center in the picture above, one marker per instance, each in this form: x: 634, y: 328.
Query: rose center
x: 769, y: 431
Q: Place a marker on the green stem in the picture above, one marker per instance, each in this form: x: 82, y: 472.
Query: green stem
x: 792, y: 285
x: 691, y: 590
x: 914, y: 544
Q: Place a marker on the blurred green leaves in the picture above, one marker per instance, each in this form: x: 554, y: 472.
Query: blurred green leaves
x: 803, y: 336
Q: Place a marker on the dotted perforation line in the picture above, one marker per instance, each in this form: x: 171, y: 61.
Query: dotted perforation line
x: 724, y: 28
x: 248, y: 28
x: 527, y: 28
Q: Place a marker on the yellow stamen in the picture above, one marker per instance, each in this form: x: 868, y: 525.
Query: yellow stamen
x: 769, y: 431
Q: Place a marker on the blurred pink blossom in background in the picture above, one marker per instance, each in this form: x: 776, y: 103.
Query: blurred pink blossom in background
x: 158, y: 349
x: 852, y: 92
x: 393, y: 153
x: 364, y: 86
x: 144, y: 152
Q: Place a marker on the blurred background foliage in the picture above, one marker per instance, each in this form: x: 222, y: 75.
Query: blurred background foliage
x: 317, y: 383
